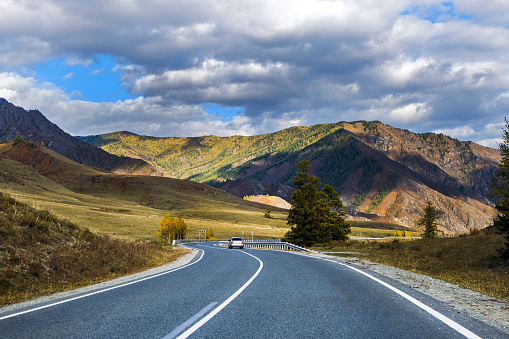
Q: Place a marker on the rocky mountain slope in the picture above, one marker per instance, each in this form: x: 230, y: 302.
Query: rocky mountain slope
x: 32, y: 125
x: 382, y: 173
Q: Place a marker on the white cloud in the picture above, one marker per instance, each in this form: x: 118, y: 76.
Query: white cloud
x: 22, y: 50
x: 410, y: 113
x: 283, y: 62
x: 73, y: 61
x: 460, y: 132
x: 150, y: 116
x: 68, y: 76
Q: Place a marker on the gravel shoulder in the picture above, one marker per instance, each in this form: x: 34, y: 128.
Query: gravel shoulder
x: 487, y: 309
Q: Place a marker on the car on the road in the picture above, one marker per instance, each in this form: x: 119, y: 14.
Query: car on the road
x: 236, y: 242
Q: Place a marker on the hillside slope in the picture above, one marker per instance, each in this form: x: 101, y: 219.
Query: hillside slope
x: 33, y: 126
x: 381, y: 172
x: 123, y: 204
x: 43, y: 254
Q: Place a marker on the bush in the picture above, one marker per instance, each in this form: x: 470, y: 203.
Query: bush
x: 17, y: 140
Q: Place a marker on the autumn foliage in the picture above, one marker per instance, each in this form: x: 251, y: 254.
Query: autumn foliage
x: 171, y: 229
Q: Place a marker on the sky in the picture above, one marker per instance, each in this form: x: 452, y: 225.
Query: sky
x: 248, y: 67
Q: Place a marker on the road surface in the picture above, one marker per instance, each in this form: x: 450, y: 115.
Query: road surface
x: 248, y: 293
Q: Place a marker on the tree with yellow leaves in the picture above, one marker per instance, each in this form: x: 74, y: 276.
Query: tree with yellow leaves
x: 171, y: 229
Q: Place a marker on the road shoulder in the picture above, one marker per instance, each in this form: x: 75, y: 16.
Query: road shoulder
x: 489, y: 310
x: 183, y: 260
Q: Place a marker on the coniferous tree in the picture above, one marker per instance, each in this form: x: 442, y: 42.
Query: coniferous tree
x: 17, y: 139
x: 316, y: 216
x: 429, y: 221
x: 267, y: 213
x: 500, y: 193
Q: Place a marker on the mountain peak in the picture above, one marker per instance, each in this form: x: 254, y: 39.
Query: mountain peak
x: 34, y: 126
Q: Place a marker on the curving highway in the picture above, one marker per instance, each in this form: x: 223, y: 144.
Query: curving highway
x: 248, y: 293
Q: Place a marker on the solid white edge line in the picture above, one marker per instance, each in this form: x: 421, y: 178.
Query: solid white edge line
x: 100, y: 291
x: 449, y: 322
x: 209, y: 316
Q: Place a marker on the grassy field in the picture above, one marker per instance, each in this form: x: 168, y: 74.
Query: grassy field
x: 469, y: 261
x: 130, y: 206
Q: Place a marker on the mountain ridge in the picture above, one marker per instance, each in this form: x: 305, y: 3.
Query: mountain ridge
x: 32, y: 125
x: 382, y: 173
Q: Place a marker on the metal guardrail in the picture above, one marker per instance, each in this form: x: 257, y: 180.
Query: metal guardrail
x: 181, y: 241
x: 385, y: 238
x: 269, y: 244
x: 275, y: 244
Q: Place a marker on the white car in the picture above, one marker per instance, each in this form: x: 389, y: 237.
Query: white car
x: 236, y: 242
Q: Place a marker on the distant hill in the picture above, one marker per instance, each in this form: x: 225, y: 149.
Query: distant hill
x: 382, y: 173
x: 270, y: 200
x: 130, y: 205
x: 32, y: 125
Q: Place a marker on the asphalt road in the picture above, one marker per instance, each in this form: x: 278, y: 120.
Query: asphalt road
x: 249, y: 293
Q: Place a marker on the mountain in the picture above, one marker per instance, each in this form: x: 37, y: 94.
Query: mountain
x: 382, y: 173
x: 32, y: 125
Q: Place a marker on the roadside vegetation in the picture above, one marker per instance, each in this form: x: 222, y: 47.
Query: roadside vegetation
x: 42, y: 254
x: 470, y: 261
x: 500, y: 193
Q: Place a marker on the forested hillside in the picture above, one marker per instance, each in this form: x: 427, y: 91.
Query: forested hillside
x: 381, y: 172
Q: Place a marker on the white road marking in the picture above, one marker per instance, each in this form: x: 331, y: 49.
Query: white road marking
x: 190, y: 321
x: 101, y: 291
x: 209, y: 316
x: 449, y: 322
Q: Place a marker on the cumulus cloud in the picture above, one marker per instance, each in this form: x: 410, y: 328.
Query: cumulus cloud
x: 424, y: 65
x: 146, y: 116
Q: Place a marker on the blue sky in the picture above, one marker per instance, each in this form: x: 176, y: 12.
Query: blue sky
x: 93, y: 80
x: 438, y: 12
x: 244, y: 67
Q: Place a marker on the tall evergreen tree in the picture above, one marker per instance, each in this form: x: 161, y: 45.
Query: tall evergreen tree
x: 429, y: 221
x: 316, y: 216
x: 500, y: 193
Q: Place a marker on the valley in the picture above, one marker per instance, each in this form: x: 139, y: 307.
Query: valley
x: 384, y: 176
x: 122, y: 205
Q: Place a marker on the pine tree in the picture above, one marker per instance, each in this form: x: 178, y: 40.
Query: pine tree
x: 429, y: 221
x: 315, y: 216
x: 17, y: 139
x: 500, y: 193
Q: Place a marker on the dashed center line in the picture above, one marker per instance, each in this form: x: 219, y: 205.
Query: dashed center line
x: 218, y: 309
x: 190, y: 321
